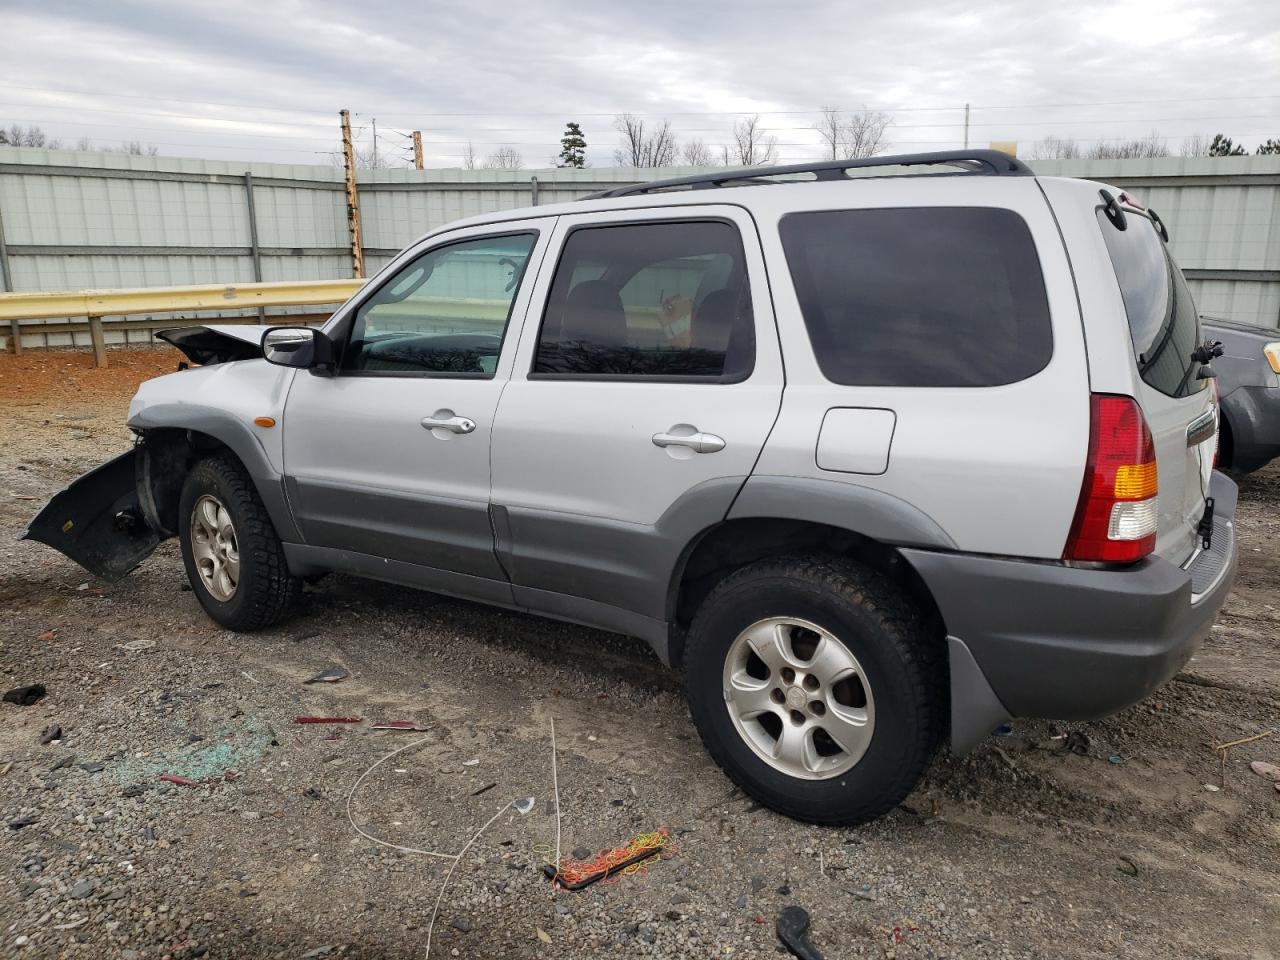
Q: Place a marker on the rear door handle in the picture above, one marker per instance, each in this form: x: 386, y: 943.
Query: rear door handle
x: 446, y: 420
x: 697, y: 442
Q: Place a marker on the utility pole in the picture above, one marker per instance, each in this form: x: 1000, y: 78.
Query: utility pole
x: 353, y: 200
x: 375, y: 163
x: 966, y: 126
x: 417, y: 149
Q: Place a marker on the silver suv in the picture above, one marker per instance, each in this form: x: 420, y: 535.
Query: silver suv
x: 882, y: 453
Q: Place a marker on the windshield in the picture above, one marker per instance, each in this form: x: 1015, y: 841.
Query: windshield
x: 1162, y: 316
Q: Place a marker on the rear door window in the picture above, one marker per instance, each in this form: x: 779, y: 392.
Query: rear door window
x: 920, y: 297
x: 1163, y: 322
x: 649, y: 300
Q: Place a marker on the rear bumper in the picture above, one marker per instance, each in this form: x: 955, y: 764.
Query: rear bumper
x: 1030, y: 639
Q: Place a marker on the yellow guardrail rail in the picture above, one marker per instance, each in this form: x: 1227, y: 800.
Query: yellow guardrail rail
x: 96, y: 304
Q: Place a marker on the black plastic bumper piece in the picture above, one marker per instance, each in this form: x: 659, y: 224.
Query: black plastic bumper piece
x: 1069, y: 643
x: 98, y: 521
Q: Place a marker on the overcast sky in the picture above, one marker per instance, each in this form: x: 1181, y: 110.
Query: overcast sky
x: 264, y: 80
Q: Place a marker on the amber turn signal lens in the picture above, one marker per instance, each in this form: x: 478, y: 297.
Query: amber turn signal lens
x: 265, y: 421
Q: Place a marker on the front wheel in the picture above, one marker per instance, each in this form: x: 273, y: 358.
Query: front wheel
x: 234, y: 560
x: 816, y: 688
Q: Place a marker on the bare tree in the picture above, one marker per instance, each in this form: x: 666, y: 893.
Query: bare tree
x: 469, y: 157
x: 695, y: 153
x: 17, y: 136
x: 504, y: 158
x: 831, y: 129
x: 643, y: 146
x: 1152, y: 145
x: 1196, y: 145
x: 1055, y: 148
x: 864, y: 133
x: 138, y: 149
x: 751, y: 146
x: 83, y: 144
x: 855, y: 135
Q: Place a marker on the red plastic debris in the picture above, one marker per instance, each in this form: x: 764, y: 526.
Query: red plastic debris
x: 180, y: 781
x: 326, y: 719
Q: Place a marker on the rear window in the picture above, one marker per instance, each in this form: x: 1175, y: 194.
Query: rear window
x: 1163, y: 322
x: 920, y: 297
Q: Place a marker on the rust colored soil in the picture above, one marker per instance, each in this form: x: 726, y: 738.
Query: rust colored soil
x: 68, y: 376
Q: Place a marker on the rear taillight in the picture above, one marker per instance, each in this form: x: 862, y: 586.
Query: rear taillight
x: 1116, y: 518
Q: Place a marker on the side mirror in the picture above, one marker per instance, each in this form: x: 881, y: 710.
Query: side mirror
x: 302, y: 347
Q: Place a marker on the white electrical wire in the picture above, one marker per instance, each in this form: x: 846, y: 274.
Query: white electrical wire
x: 368, y: 836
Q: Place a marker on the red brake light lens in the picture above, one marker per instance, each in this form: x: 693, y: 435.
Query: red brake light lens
x: 1116, y: 517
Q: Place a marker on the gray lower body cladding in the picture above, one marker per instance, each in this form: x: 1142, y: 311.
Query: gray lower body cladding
x: 1068, y: 643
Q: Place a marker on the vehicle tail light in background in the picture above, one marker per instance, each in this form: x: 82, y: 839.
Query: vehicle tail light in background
x: 1272, y: 351
x: 1116, y: 517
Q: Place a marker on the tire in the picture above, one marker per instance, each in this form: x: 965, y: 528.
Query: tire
x: 263, y: 592
x: 898, y: 687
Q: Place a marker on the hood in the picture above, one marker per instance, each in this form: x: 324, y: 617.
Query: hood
x: 217, y: 343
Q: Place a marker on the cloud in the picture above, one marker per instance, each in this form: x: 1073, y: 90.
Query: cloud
x: 265, y: 80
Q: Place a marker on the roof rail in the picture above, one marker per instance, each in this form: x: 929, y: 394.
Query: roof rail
x: 982, y: 162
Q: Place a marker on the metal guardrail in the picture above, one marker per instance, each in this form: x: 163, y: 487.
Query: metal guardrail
x: 96, y: 304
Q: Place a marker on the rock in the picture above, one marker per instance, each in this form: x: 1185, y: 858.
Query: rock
x: 21, y: 822
x: 93, y: 767
x: 757, y: 884
x: 680, y: 898
x: 1211, y: 788
x: 459, y: 924
x: 323, y: 951
x: 1268, y: 771
x: 81, y: 889
x: 673, y: 914
x: 741, y: 902
x: 580, y: 853
x: 785, y: 890
x: 333, y: 674
x: 562, y: 909
x: 313, y: 793
x: 134, y: 790
x: 26, y: 695
x: 50, y: 734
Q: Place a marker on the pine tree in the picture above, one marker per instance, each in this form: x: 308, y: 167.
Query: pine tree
x: 1223, y: 147
x: 1271, y: 146
x: 573, y: 147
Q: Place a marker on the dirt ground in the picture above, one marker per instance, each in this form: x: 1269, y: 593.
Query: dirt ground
x: 1022, y: 849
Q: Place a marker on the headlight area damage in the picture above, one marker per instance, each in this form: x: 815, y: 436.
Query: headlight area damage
x: 113, y: 517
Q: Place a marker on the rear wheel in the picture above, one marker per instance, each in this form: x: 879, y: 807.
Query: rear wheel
x: 816, y: 688
x: 234, y: 560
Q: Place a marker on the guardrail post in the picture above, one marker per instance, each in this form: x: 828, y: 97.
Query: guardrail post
x: 6, y: 284
x: 255, y: 252
x: 99, y: 342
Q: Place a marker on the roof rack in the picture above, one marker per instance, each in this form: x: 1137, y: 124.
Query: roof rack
x: 969, y: 162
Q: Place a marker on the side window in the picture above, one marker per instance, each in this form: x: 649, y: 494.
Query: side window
x: 920, y: 297
x: 649, y: 300
x: 443, y: 313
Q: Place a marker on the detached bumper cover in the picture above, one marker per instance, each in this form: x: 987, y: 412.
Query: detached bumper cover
x: 1069, y: 643
x: 98, y: 520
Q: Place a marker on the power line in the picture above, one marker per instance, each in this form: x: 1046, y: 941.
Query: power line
x: 958, y: 107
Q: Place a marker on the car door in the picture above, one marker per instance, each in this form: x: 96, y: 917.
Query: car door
x: 647, y: 379
x: 387, y: 459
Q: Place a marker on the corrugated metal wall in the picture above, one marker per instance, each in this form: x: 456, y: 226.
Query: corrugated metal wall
x: 73, y: 220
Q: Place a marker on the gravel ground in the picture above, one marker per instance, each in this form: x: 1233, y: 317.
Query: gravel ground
x: 1022, y: 849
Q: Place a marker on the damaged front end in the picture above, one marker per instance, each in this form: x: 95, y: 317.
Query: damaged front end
x: 99, y: 520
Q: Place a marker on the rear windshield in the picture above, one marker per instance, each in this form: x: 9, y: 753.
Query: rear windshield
x: 920, y: 297
x: 1162, y: 316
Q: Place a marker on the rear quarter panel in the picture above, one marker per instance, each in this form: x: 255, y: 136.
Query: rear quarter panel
x: 997, y: 468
